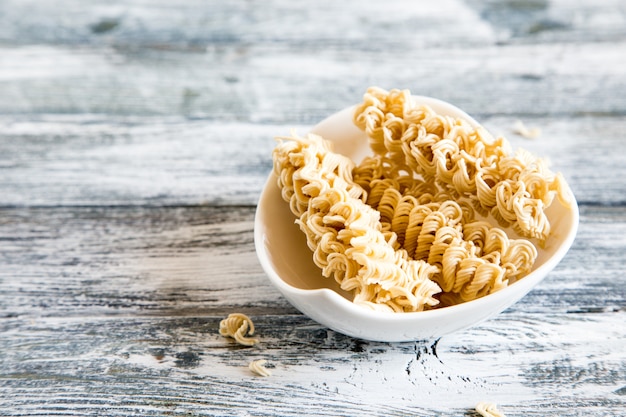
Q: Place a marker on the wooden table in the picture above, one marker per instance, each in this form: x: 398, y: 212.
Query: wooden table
x: 135, y: 137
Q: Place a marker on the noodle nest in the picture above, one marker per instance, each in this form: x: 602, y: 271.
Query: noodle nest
x: 420, y: 224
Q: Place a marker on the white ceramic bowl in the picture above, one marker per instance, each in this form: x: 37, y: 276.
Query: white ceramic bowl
x: 283, y: 253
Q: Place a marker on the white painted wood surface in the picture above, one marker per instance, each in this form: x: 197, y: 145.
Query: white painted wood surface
x: 135, y: 137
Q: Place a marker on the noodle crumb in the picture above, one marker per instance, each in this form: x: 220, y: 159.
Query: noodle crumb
x: 520, y: 128
x: 258, y: 367
x: 487, y: 409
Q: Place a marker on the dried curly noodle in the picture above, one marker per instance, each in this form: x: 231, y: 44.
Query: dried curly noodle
x: 515, y: 188
x: 394, y: 230
x: 237, y: 325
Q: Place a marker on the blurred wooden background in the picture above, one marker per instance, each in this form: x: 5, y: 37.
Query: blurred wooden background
x: 135, y: 137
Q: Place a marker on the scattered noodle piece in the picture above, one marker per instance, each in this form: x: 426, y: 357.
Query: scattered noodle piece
x: 487, y: 409
x: 520, y: 128
x: 237, y: 325
x: 258, y: 367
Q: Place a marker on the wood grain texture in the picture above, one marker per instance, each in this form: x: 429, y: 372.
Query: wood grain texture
x: 96, y: 160
x: 135, y: 303
x: 135, y: 138
x: 284, y: 63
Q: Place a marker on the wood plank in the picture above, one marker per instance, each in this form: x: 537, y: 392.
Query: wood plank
x: 244, y: 61
x: 196, y: 23
x: 153, y: 366
x: 93, y: 160
x: 297, y: 84
x: 131, y: 260
x: 115, y: 310
x: 179, y: 261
